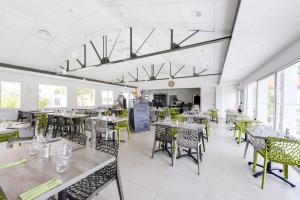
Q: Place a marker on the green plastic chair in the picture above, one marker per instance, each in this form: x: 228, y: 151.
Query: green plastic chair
x: 180, y: 118
x: 107, y: 113
x: 279, y: 150
x: 8, y: 136
x: 43, y: 122
x: 172, y: 113
x: 242, y: 126
x: 123, y: 125
x: 214, y: 115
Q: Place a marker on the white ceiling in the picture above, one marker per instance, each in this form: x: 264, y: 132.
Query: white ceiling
x: 263, y: 29
x: 74, y: 22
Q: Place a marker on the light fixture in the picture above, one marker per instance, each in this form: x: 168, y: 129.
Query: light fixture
x: 44, y: 34
x: 196, y: 13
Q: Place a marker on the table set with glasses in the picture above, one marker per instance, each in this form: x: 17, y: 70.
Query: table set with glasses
x: 10, y: 129
x: 41, y: 168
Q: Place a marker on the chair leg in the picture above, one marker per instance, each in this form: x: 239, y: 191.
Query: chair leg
x: 129, y: 133
x: 153, y: 149
x: 119, y: 136
x: 198, y: 159
x: 246, y: 149
x: 239, y: 136
x: 286, y: 171
x: 203, y: 143
x: 119, y: 184
x: 264, y: 173
x: 255, y: 154
x: 234, y: 134
x: 174, y: 154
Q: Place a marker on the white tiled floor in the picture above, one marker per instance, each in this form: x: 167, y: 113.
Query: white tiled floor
x: 224, y: 174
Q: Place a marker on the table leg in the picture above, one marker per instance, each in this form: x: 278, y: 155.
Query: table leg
x: 62, y: 195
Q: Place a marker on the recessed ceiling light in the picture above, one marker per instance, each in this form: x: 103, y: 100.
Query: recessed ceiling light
x: 43, y: 33
x: 73, y: 10
x: 196, y: 13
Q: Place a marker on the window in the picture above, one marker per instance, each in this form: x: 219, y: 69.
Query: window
x: 10, y: 95
x: 107, y: 97
x: 251, y: 99
x: 51, y: 96
x: 85, y: 97
x: 266, y: 100
x: 288, y: 99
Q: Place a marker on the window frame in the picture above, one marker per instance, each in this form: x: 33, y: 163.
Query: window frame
x: 84, y: 106
x: 38, y: 100
x: 107, y: 104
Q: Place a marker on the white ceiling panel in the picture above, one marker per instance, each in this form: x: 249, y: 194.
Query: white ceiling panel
x: 16, y: 21
x: 72, y: 23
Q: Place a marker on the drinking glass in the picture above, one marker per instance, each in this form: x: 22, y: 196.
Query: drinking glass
x: 65, y: 152
x: 61, y: 165
x: 33, y: 147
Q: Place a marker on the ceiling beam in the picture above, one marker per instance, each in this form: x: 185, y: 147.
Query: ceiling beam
x: 135, y: 57
x: 28, y: 69
x: 178, y: 77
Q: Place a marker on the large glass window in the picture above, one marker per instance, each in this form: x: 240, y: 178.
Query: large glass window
x: 107, y: 97
x: 288, y: 99
x: 51, y: 96
x: 10, y: 95
x: 85, y: 97
x: 266, y: 100
x: 251, y: 99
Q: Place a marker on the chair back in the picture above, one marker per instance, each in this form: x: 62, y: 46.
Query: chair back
x: 163, y: 133
x: 180, y: 118
x: 189, y: 138
x: 88, y: 124
x: 51, y: 120
x: 108, y: 146
x: 79, y: 138
x: 100, y: 129
x: 43, y: 120
x: 283, y: 150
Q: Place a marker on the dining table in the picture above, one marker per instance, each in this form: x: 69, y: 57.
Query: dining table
x: 37, y: 170
x: 110, y: 120
x: 10, y: 130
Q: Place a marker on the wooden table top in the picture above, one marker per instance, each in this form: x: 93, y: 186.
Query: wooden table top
x: 21, y: 178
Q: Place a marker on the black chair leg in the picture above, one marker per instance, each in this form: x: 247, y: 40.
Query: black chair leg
x: 119, y: 184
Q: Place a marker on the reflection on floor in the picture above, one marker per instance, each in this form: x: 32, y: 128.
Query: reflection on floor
x: 224, y: 174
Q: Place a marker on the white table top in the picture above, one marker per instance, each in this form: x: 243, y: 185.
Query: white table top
x: 109, y: 119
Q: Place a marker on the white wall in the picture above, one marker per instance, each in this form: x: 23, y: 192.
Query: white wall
x: 289, y: 56
x: 208, y: 98
x: 226, y: 98
x: 29, y: 89
x: 185, y: 95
